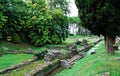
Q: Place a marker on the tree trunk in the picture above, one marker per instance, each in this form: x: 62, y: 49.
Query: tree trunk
x: 109, y: 42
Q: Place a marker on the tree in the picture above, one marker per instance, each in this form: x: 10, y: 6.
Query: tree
x: 46, y: 25
x: 2, y: 23
x: 75, y: 20
x: 101, y: 17
x: 59, y: 4
x: 11, y: 11
x: 31, y: 21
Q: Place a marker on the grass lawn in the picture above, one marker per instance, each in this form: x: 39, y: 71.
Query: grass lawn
x: 13, y: 59
x: 72, y: 39
x: 26, y: 69
x: 96, y: 64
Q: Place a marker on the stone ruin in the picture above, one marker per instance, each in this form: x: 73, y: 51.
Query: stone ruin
x: 117, y: 41
x: 5, y: 48
x: 104, y: 74
x: 40, y: 55
x: 115, y: 47
x: 82, y: 53
x: 48, y: 57
x: 84, y: 42
x: 92, y: 52
x: 65, y: 64
x: 77, y: 42
x: 52, y: 54
x: 72, y: 49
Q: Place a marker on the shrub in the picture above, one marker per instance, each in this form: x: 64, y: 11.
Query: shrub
x: 22, y: 37
x: 15, y: 38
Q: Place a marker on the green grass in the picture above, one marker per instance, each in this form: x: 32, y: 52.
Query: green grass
x: 26, y: 69
x: 95, y: 64
x: 13, y: 59
x: 12, y: 46
x: 72, y: 39
x: 20, y: 46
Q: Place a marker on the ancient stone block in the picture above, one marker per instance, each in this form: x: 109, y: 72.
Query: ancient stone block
x: 65, y: 64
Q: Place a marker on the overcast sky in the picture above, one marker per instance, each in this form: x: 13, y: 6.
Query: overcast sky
x: 73, y: 8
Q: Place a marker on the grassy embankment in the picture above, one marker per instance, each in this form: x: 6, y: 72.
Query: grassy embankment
x: 94, y: 65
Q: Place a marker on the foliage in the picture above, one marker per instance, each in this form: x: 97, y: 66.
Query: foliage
x: 74, y: 20
x: 41, y: 55
x: 2, y: 22
x: 15, y: 38
x: 33, y: 20
x: 23, y: 37
x: 59, y: 4
x: 100, y: 16
x: 11, y: 9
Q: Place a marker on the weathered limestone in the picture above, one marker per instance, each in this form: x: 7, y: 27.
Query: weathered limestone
x: 115, y: 47
x: 65, y: 64
x: 92, y: 52
x: 72, y: 48
x: 77, y: 42
x: 40, y: 55
x: 117, y: 41
x: 52, y: 54
x: 5, y: 48
x: 43, y: 70
x: 82, y: 54
x: 104, y: 74
x: 84, y: 42
x: 117, y: 58
x: 49, y: 57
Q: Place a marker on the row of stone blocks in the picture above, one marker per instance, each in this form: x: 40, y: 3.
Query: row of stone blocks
x: 6, y: 70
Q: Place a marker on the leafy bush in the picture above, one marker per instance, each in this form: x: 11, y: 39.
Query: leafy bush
x: 15, y: 38
x: 40, y: 55
x: 32, y: 21
x: 22, y: 37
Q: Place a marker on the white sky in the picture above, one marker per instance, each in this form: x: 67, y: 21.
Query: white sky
x: 73, y: 8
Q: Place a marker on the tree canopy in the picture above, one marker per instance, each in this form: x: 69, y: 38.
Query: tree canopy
x: 101, y: 17
x: 59, y: 4
x: 32, y: 21
x: 74, y: 20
